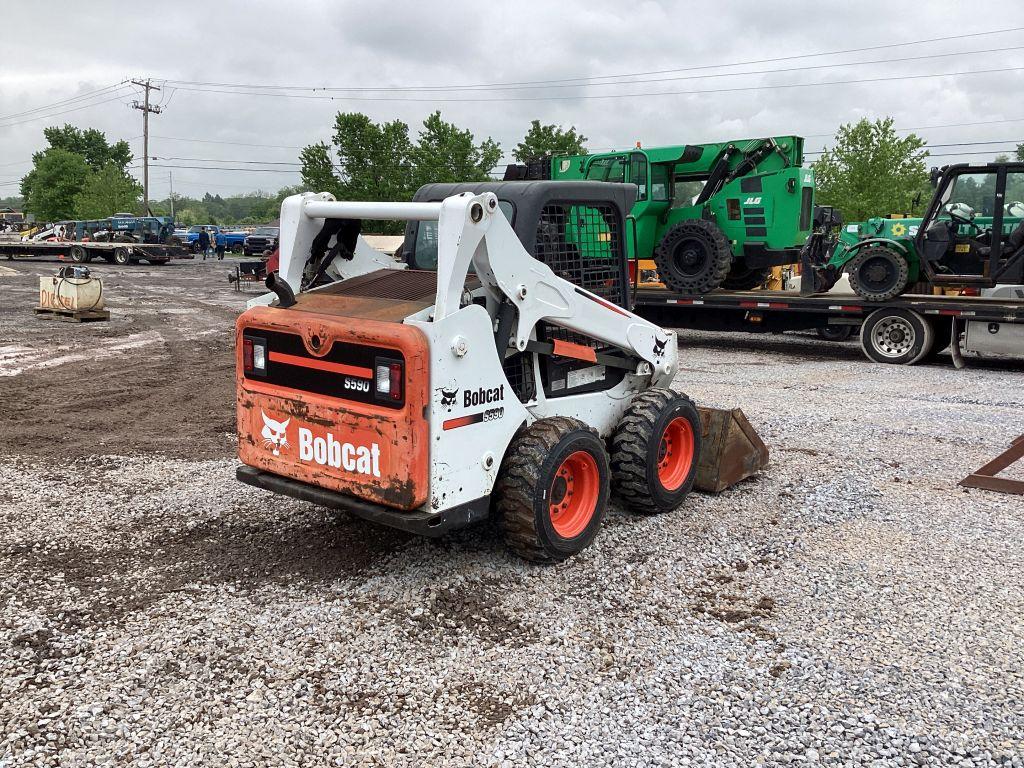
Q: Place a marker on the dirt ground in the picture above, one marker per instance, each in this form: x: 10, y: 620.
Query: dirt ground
x: 851, y: 604
x: 67, y: 390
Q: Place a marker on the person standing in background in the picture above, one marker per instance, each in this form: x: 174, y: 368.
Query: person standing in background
x: 204, y: 242
x: 221, y: 240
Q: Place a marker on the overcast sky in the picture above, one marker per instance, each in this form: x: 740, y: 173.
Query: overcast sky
x: 410, y: 43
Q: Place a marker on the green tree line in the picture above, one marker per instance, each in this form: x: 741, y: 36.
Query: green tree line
x: 869, y: 169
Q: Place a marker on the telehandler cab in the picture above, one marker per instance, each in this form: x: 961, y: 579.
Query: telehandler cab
x: 971, y: 236
x: 485, y: 378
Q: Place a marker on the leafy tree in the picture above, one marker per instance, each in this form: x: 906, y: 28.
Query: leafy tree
x: 59, y: 177
x: 445, y: 153
x: 871, y: 171
x: 1019, y: 154
x: 378, y: 161
x: 318, y: 170
x: 543, y: 140
x: 107, y: 192
x: 89, y: 144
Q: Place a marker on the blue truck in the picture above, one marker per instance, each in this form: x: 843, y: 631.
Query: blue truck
x: 235, y: 240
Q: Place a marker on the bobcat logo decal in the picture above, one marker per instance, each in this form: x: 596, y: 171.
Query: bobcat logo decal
x: 659, y: 347
x: 273, y: 434
x: 448, y: 395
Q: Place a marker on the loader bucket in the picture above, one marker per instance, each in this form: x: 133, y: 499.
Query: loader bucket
x: 730, y: 450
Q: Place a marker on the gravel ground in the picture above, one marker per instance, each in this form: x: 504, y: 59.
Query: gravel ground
x: 852, y: 606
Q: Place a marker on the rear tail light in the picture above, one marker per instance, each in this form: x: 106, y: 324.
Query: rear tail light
x: 254, y: 355
x: 389, y: 378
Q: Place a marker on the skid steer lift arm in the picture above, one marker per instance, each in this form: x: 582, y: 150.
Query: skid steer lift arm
x: 473, y: 231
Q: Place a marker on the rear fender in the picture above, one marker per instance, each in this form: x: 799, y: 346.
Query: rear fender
x: 841, y: 258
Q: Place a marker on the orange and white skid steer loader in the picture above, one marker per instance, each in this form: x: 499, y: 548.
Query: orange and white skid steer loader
x: 499, y: 371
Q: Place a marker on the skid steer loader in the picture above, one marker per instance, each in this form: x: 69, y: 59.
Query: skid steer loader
x: 482, y: 379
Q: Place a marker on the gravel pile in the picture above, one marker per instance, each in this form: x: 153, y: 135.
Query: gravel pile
x: 852, y: 606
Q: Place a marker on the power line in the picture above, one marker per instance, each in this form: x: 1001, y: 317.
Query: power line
x: 209, y: 168
x: 232, y: 143
x: 63, y: 112
x: 646, y: 94
x: 214, y: 160
x: 79, y: 97
x: 638, y: 74
x: 625, y: 82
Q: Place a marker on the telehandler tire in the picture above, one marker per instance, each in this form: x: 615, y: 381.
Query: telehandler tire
x: 878, y: 273
x: 743, y: 278
x: 655, y: 450
x: 693, y: 257
x: 552, y: 492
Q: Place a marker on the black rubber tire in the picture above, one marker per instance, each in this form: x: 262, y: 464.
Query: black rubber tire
x: 835, y: 333
x: 744, y: 278
x: 527, y: 473
x: 636, y: 447
x: 121, y: 256
x: 195, y: 247
x: 78, y: 254
x: 883, y: 287
x: 236, y: 248
x: 906, y: 337
x: 693, y: 257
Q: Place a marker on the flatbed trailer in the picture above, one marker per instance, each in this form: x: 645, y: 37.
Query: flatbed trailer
x: 906, y: 330
x: 85, y: 251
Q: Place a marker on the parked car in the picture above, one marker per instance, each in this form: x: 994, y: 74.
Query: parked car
x: 262, y: 239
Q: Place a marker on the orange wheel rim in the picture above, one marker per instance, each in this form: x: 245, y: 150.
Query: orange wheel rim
x: 675, y: 454
x: 572, y: 498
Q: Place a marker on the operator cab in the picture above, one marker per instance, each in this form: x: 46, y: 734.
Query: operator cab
x: 975, y: 224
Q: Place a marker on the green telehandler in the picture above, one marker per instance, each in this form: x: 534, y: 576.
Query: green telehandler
x: 706, y: 215
x: 952, y: 246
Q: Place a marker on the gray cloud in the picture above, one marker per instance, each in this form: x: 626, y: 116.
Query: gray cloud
x: 427, y: 44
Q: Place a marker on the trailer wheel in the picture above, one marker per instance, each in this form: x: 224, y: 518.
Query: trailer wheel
x: 122, y: 256
x: 878, y: 273
x: 78, y: 254
x: 552, y: 493
x: 744, y: 278
x: 693, y: 257
x: 655, y: 450
x: 835, y: 332
x: 896, y: 336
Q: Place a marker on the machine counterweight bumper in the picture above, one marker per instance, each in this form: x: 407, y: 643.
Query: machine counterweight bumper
x: 418, y: 522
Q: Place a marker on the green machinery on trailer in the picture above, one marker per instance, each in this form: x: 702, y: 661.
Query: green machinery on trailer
x: 952, y: 246
x: 707, y: 215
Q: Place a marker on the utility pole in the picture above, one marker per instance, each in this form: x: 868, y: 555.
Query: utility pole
x: 170, y: 178
x: 146, y: 109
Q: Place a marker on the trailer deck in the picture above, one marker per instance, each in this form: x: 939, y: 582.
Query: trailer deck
x: 84, y: 251
x: 928, y: 319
